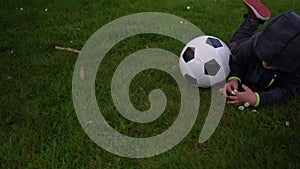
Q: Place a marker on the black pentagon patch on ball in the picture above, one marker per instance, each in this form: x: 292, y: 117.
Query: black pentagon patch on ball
x: 191, y: 79
x: 188, y: 54
x: 214, y: 42
x: 212, y: 67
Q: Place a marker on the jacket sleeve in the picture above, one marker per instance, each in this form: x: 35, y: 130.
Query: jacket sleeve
x: 241, y: 57
x: 283, y: 91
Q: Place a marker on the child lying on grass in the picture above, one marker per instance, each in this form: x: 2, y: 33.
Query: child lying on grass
x: 265, y: 66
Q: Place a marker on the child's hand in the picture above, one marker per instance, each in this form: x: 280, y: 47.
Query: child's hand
x: 247, y: 96
x: 230, y: 87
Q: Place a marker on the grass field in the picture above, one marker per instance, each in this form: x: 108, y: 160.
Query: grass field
x: 39, y: 127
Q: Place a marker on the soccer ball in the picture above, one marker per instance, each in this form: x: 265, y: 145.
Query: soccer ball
x: 204, y: 61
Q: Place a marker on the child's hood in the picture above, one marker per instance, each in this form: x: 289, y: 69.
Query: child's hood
x: 279, y: 42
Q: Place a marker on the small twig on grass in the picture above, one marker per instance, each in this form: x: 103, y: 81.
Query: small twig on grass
x: 67, y: 49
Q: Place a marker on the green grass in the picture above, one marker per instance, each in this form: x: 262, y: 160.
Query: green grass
x: 39, y: 126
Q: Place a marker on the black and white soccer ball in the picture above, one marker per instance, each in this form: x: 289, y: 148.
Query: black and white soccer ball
x: 204, y: 61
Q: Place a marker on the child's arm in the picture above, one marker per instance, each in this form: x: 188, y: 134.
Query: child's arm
x: 283, y: 91
x: 240, y: 60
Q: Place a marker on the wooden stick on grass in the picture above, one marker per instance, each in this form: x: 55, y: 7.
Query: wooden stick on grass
x: 67, y: 49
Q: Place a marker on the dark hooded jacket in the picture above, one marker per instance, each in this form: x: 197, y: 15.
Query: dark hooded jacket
x: 279, y: 46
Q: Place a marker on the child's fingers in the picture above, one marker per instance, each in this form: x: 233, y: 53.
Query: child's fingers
x: 246, y: 88
x: 233, y: 97
x: 233, y: 102
x: 223, y: 91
